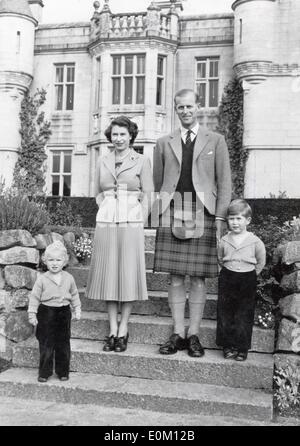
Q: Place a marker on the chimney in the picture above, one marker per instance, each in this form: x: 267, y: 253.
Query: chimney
x: 36, y: 7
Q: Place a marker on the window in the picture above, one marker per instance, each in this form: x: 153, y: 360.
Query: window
x: 98, y: 83
x: 18, y: 42
x: 128, y: 79
x: 64, y: 86
x: 61, y: 172
x: 207, y: 81
x: 160, y: 80
x: 241, y: 30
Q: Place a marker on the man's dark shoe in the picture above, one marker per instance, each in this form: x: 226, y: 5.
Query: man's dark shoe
x: 174, y: 344
x: 229, y: 353
x: 194, y: 347
x: 241, y: 356
x: 42, y: 380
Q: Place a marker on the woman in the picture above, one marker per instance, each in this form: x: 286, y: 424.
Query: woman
x: 123, y: 190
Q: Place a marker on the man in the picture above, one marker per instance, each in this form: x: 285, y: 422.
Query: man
x: 194, y: 161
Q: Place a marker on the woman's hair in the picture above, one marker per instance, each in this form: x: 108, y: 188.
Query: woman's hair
x: 123, y: 121
x: 239, y: 206
x: 56, y: 247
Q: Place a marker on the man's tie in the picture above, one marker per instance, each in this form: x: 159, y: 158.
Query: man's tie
x: 188, y: 140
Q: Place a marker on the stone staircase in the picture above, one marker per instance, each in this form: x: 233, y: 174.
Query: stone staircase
x: 141, y: 377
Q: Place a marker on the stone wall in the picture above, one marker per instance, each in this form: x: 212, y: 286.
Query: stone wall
x: 288, y: 342
x: 20, y: 262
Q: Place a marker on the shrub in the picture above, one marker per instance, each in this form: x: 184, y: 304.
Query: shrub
x: 287, y: 383
x: 61, y: 214
x: 19, y: 212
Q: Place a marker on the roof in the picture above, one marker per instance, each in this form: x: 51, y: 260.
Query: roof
x: 16, y: 7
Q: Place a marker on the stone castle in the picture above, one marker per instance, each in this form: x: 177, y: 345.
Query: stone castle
x: 133, y: 63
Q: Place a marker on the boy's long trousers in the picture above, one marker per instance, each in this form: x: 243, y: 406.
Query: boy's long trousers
x: 53, y: 333
x: 235, y: 309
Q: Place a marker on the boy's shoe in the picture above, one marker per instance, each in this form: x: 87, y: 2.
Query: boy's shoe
x: 64, y: 378
x: 230, y: 353
x: 42, y: 380
x: 241, y: 356
x: 174, y: 344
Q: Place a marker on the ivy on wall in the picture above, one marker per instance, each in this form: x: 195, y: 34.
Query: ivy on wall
x: 29, y: 172
x: 231, y: 126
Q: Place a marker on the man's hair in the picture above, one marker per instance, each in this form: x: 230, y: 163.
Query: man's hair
x: 123, y: 121
x: 185, y: 92
x: 239, y: 206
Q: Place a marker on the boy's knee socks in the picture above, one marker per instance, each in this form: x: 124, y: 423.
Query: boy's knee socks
x: 197, y: 299
x: 177, y: 299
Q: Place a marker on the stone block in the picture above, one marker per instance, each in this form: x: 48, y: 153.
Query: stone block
x: 19, y: 254
x: 16, y: 237
x: 290, y: 306
x: 57, y: 237
x: 288, y: 336
x: 290, y: 252
x: 2, y: 281
x: 20, y: 276
x: 290, y: 283
x: 19, y: 298
x: 69, y: 239
x: 4, y: 300
x: 16, y: 326
x: 282, y: 360
x: 43, y: 240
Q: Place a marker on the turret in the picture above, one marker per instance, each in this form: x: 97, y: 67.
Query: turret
x: 253, y: 38
x: 17, y: 27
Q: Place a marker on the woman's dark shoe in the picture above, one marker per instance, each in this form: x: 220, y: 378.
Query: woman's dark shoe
x: 241, y: 356
x: 121, y: 343
x: 229, y: 353
x: 109, y: 344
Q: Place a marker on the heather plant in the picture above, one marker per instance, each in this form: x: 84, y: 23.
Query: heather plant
x: 17, y: 211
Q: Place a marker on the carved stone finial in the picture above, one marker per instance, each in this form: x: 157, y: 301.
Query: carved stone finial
x: 106, y: 7
x: 153, y: 7
x: 96, y: 5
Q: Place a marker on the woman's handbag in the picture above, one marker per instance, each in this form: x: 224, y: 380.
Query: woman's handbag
x: 187, y: 225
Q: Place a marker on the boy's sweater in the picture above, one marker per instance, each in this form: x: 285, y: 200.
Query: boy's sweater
x: 47, y: 292
x: 247, y: 256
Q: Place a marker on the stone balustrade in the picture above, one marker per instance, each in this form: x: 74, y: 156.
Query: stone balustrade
x: 151, y: 23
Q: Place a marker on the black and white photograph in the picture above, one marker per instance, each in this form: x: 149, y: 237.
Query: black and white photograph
x: 150, y: 215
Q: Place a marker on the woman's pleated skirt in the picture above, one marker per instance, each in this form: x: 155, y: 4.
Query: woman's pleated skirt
x: 117, y: 271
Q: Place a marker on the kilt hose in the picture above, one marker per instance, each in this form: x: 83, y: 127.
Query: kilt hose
x: 235, y: 309
x: 194, y: 257
x: 53, y: 333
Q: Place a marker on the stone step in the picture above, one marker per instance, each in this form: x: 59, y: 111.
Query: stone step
x: 155, y: 281
x: 153, y: 395
x: 156, y: 305
x: 144, y: 361
x: 156, y: 330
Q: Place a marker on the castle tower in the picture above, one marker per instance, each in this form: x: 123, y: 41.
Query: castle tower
x: 17, y: 26
x: 266, y: 60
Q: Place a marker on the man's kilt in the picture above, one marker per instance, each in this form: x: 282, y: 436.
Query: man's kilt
x: 193, y: 257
